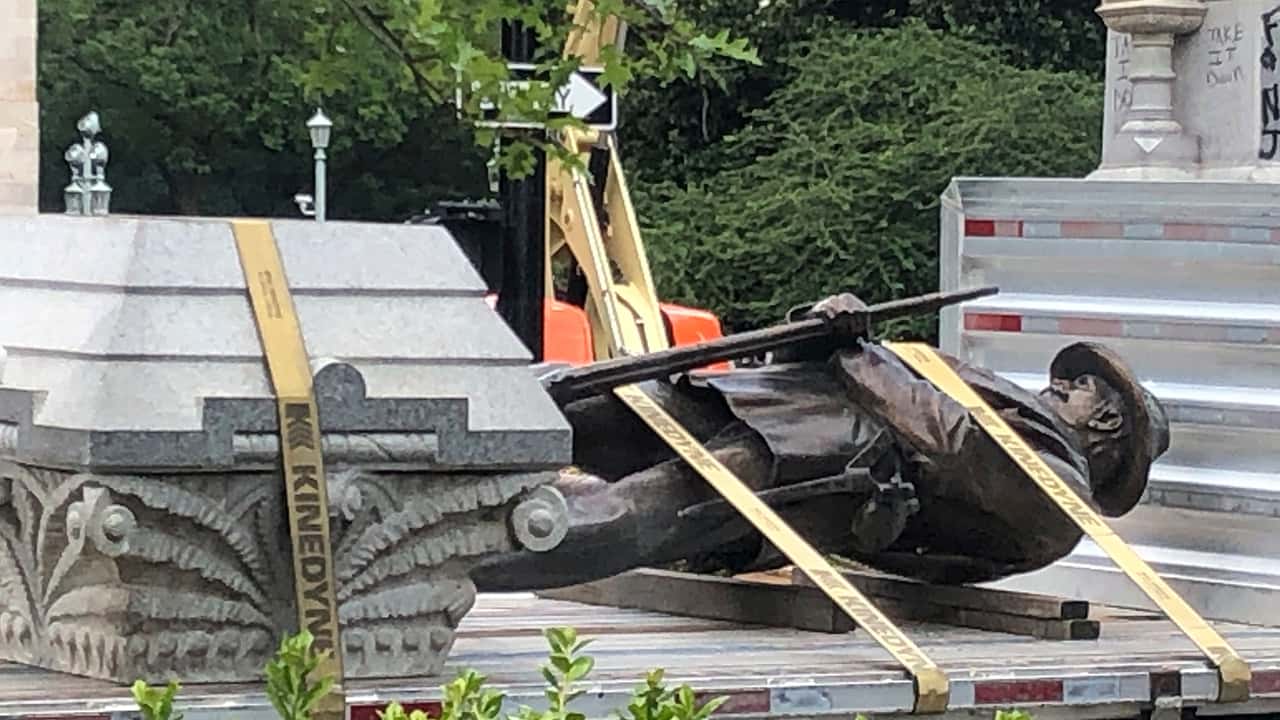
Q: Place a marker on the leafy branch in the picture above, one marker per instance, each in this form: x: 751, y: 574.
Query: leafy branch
x: 450, y: 51
x: 156, y: 703
x: 290, y: 686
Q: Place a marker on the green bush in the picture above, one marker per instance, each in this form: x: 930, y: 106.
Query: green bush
x: 294, y: 692
x: 833, y: 185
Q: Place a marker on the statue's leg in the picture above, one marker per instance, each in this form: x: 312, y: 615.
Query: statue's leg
x: 611, y: 442
x: 634, y: 521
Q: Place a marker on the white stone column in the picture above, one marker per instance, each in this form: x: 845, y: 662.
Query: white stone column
x: 19, y: 112
x: 1151, y: 143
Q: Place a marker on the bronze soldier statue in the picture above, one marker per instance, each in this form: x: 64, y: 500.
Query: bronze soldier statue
x: 861, y: 455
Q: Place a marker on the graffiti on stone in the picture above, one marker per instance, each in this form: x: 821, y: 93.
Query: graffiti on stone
x: 1223, y: 49
x: 1121, y: 86
x: 1270, y: 84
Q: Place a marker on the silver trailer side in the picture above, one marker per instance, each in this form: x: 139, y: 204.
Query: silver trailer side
x: 1182, y: 278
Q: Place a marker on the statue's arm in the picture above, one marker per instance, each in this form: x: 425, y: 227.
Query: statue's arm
x: 927, y: 418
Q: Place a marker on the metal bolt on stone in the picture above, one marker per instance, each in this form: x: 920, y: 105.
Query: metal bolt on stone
x: 541, y: 522
x: 88, y: 193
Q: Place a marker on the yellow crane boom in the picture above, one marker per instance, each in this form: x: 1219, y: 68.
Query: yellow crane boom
x: 602, y: 238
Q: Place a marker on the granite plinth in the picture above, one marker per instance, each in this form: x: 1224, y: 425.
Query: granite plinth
x: 130, y: 344
x: 141, y: 504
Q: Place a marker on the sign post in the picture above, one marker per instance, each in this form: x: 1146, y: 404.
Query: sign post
x: 524, y: 224
x: 583, y: 96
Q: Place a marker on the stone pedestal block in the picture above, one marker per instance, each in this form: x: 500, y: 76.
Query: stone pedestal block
x: 142, y: 524
x: 1225, y: 96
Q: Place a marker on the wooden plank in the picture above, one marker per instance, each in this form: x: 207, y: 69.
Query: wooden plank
x: 1039, y: 628
x: 799, y: 605
x: 963, y: 597
x: 713, y: 598
x: 1037, y: 616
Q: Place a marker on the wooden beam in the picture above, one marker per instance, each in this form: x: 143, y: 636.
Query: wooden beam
x: 802, y: 606
x: 714, y: 598
x: 1039, y: 616
x: 967, y: 597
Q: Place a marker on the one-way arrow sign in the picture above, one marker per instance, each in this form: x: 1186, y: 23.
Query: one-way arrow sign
x: 581, y: 97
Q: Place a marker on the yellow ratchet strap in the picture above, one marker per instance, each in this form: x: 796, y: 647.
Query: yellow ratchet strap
x: 1233, y: 672
x: 305, y: 486
x: 932, y: 688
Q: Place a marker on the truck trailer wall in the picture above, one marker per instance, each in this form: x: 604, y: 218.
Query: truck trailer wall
x: 1183, y: 279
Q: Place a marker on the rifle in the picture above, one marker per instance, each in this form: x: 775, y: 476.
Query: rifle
x: 602, y: 377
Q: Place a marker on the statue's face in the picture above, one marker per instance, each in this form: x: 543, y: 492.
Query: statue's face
x: 1085, y: 403
x: 1093, y: 409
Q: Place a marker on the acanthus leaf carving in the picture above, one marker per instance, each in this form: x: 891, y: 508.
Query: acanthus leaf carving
x: 127, y: 576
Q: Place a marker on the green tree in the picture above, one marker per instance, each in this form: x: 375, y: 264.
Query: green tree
x: 203, y: 105
x: 833, y: 184
x: 667, y: 125
x: 451, y: 49
x: 1055, y: 34
x: 668, y: 128
x: 204, y: 101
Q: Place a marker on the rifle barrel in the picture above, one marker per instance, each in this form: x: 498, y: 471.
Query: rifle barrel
x: 603, y: 376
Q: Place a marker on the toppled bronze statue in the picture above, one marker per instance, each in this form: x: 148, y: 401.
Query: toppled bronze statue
x: 862, y: 456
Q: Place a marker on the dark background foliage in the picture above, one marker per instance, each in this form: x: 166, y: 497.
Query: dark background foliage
x: 760, y: 187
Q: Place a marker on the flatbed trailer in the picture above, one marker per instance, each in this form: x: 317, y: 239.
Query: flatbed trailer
x: 1141, y: 666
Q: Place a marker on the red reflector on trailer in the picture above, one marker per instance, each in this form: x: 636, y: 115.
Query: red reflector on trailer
x: 980, y: 228
x: 992, y: 228
x: 992, y: 322
x: 1266, y: 682
x: 1016, y: 691
x: 370, y: 712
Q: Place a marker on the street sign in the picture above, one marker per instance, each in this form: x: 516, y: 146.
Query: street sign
x: 581, y: 97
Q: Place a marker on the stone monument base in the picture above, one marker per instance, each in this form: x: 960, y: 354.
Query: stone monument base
x: 142, y: 502
x: 122, y: 577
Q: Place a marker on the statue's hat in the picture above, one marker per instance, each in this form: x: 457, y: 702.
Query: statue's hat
x: 1148, y: 436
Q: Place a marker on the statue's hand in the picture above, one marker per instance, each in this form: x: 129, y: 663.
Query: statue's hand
x: 837, y: 305
x: 843, y: 311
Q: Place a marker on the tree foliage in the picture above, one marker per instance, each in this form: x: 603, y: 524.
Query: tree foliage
x: 669, y: 126
x: 204, y: 104
x: 833, y: 184
x: 1051, y: 34
x: 452, y: 52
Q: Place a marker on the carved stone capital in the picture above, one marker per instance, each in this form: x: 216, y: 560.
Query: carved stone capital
x: 145, y: 576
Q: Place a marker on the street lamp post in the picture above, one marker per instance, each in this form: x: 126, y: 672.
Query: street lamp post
x: 320, y: 126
